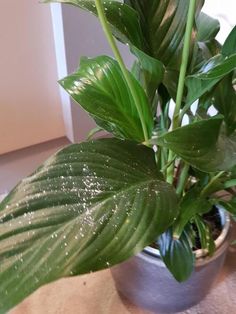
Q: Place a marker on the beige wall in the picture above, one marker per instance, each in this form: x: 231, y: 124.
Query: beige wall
x: 30, y: 109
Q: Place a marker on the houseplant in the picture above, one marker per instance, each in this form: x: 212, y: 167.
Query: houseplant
x: 95, y: 204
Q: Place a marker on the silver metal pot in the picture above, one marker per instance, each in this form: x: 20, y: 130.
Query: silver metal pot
x: 145, y: 281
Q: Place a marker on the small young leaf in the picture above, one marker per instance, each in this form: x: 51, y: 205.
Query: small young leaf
x: 177, y: 254
x: 209, y: 75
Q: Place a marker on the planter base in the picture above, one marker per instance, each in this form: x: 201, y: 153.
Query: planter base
x: 146, y: 282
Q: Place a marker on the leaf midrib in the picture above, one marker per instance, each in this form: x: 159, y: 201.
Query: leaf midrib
x: 94, y: 206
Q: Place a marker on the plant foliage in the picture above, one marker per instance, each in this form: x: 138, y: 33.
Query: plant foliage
x: 95, y: 204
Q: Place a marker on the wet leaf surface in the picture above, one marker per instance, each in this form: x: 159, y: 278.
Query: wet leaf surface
x: 88, y: 207
x: 203, y: 144
x: 100, y: 88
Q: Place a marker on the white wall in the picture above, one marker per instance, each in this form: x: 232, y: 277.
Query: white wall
x: 225, y: 12
x: 30, y: 106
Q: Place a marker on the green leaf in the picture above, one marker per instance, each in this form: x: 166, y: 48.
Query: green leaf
x: 177, y: 254
x: 151, y: 73
x: 203, y: 144
x: 205, y: 51
x: 225, y: 100
x: 209, y: 75
x: 207, y: 27
x: 123, y: 20
x: 90, y: 206
x: 229, y: 46
x: 100, y: 88
x: 170, y: 82
x: 206, y: 45
x: 163, y: 24
x: 230, y: 206
x: 190, y: 205
x: 233, y: 172
x: 230, y: 183
x: 205, y: 235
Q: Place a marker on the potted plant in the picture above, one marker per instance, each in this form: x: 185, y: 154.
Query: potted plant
x: 96, y: 204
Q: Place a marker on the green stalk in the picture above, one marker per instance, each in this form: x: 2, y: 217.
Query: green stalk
x: 182, y: 75
x: 166, y: 165
x: 182, y: 180
x: 109, y: 36
x: 207, y: 188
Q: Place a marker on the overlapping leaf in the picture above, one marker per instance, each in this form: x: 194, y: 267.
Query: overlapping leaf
x: 150, y: 72
x: 225, y: 101
x: 207, y: 27
x: 210, y: 74
x: 177, y: 254
x: 123, y: 20
x: 163, y: 24
x: 214, y: 69
x: 207, y: 46
x: 203, y: 144
x: 88, y: 207
x: 230, y: 206
x: 100, y: 88
x: 191, y: 205
x: 229, y: 46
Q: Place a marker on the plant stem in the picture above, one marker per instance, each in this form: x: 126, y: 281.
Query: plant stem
x: 184, y: 62
x: 111, y: 40
x: 182, y: 74
x: 166, y: 165
x: 182, y: 180
x: 207, y: 188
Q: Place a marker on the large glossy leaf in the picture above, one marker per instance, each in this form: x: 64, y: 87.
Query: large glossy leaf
x: 177, y: 254
x: 88, y: 207
x: 210, y: 74
x: 123, y: 19
x: 163, y: 24
x: 100, y: 88
x: 203, y: 144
